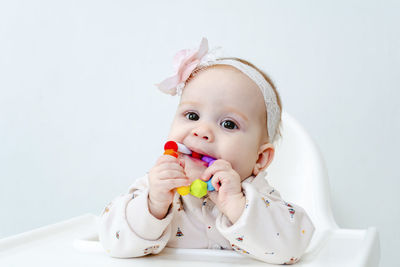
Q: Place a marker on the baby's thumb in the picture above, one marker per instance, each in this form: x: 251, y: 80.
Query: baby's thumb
x: 182, y: 163
x: 213, y: 196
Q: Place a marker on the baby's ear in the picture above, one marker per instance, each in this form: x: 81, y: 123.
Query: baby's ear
x: 266, y: 154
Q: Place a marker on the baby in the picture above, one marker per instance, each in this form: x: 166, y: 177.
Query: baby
x: 228, y: 110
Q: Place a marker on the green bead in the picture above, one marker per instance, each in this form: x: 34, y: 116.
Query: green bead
x: 198, y: 188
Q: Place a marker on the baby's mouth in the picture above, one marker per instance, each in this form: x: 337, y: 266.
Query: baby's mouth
x: 195, y: 155
x: 197, y: 161
x: 200, y: 158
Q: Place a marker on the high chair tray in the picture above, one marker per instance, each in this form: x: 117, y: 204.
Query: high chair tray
x: 75, y: 243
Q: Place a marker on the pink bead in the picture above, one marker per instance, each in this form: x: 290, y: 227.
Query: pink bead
x: 211, y: 162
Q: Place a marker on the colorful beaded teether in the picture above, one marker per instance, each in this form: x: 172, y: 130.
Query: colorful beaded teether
x: 198, y: 188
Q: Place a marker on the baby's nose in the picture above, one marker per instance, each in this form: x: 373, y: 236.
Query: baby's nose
x: 204, y: 136
x: 204, y: 132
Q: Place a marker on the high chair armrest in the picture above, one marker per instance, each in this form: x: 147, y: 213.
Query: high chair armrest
x: 75, y: 243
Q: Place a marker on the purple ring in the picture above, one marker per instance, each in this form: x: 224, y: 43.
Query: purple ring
x: 207, y: 159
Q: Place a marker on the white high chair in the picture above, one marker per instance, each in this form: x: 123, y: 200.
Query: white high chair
x: 298, y: 173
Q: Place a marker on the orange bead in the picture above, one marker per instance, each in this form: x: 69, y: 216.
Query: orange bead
x: 171, y: 152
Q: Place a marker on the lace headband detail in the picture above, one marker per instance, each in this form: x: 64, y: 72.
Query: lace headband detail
x: 185, y: 61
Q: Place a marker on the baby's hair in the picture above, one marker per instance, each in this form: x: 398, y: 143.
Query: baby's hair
x: 266, y: 77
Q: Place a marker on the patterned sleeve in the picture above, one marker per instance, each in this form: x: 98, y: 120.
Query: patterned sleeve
x: 269, y: 229
x: 127, y: 228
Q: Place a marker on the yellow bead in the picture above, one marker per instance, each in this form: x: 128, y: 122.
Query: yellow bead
x: 183, y: 190
x: 198, y: 188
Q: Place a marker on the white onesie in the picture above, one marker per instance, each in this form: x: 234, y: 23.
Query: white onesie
x: 269, y: 229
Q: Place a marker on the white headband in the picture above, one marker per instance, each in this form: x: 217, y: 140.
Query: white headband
x: 185, y: 61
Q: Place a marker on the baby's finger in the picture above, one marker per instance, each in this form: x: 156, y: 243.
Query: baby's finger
x: 168, y: 166
x: 216, y: 182
x: 218, y: 165
x: 214, y: 197
x: 182, y: 163
x: 171, y: 174
x: 218, y: 179
x: 166, y: 158
x: 174, y: 183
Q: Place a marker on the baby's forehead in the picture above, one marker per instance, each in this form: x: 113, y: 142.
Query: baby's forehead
x: 227, y: 81
x: 219, y: 75
x: 225, y: 86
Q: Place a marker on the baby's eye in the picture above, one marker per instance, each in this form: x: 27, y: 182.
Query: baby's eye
x: 229, y: 124
x: 192, y: 116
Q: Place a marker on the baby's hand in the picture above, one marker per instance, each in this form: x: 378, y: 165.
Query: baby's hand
x: 226, y: 181
x: 166, y: 175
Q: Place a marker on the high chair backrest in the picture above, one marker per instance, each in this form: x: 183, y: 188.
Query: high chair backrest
x: 298, y: 172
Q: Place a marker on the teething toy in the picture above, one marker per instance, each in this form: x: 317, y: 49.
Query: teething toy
x: 170, y: 148
x: 198, y: 188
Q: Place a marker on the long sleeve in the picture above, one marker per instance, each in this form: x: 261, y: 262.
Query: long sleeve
x: 269, y: 229
x: 127, y: 228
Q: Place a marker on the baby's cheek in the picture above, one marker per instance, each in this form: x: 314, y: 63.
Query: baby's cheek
x: 243, y: 167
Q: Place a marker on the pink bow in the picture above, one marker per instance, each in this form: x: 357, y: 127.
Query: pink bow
x: 185, y: 61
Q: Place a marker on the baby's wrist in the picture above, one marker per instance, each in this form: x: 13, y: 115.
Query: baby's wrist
x: 235, y: 208
x: 158, y: 209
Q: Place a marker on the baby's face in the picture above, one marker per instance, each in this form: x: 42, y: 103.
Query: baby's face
x: 221, y: 114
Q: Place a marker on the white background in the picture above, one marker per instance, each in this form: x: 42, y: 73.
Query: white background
x: 80, y: 118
